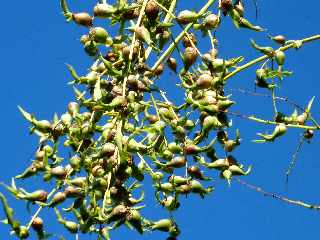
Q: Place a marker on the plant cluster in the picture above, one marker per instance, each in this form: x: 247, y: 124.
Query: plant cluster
x: 122, y: 128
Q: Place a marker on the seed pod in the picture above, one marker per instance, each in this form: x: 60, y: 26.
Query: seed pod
x: 187, y: 16
x: 238, y: 171
x: 78, y: 182
x: 308, y: 134
x: 39, y: 195
x: 84, y: 38
x: 72, y: 227
x: 279, y: 130
x: 91, y: 48
x: 152, y: 119
x: 190, y: 56
x: 75, y: 162
x: 170, y: 203
x: 30, y: 171
x: 279, y: 39
x: 58, y: 172
x: 174, y: 147
x: 189, y: 124
x: 66, y: 119
x: 219, y: 164
x: 100, y: 35
x: 159, y: 70
x: 73, y: 192
x: 224, y: 105
x: 164, y: 187
x: 197, y: 187
x: 178, y: 180
x: 118, y: 101
x: 211, y: 21
x: 108, y: 150
x: 172, y: 63
x: 73, y: 108
x: 83, y: 19
x: 143, y: 34
x: 210, y: 122
x: 126, y: 52
x: 177, y: 162
x: 191, y: 149
x: 58, y: 198
x: 130, y: 14
x: 302, y: 118
x: 157, y: 176
x: 204, y: 81
x: 97, y: 171
x: 246, y: 24
x: 152, y: 10
x: 134, y: 218
x: 42, y: 125
x: 103, y: 10
x: 280, y: 57
x: 119, y: 211
x: 183, y: 189
x: 163, y: 225
x: 37, y: 224
x: 186, y: 40
x: 195, y: 172
x: 166, y: 113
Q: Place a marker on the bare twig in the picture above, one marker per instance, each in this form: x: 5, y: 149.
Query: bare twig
x: 278, y: 197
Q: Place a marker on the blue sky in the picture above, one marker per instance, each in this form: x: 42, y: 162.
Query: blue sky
x: 36, y: 43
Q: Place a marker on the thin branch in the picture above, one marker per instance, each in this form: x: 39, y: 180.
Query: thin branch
x: 278, y: 197
x: 180, y: 36
x: 264, y: 57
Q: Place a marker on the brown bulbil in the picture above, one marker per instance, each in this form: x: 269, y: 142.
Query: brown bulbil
x: 111, y: 57
x: 120, y: 211
x: 186, y: 40
x: 190, y: 149
x: 108, y: 150
x: 131, y: 14
x: 204, y: 81
x: 72, y: 192
x: 194, y: 171
x: 279, y: 39
x: 83, y: 19
x: 126, y: 52
x: 152, y: 10
x: 190, y: 56
x: 172, y: 63
x: 40, y: 155
x: 308, y: 134
x: 37, y: 224
x: 59, y: 172
x: 159, y: 70
x: 153, y: 119
x: 226, y: 5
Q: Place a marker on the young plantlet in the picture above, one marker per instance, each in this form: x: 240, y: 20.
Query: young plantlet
x: 187, y: 16
x: 280, y: 39
x: 103, y: 10
x: 264, y: 50
x: 195, y: 172
x: 279, y: 130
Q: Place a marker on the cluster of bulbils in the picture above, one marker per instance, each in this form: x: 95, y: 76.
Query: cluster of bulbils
x: 116, y: 126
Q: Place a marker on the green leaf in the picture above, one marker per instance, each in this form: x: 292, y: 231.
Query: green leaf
x: 26, y: 115
x: 97, y: 95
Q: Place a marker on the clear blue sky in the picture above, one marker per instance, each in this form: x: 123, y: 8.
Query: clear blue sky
x: 35, y: 44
